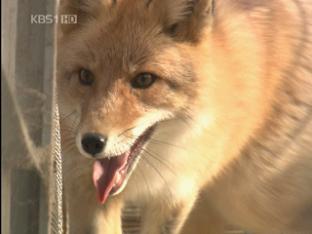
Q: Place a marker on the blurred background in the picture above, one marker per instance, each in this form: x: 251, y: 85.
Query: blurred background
x: 26, y: 86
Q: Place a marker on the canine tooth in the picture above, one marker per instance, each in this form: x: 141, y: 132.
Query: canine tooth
x: 118, y: 177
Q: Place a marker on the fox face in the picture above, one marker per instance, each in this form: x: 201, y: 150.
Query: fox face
x: 134, y: 75
x: 117, y: 90
x: 122, y: 75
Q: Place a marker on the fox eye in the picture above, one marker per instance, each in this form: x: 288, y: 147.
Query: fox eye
x: 143, y: 81
x: 86, y: 77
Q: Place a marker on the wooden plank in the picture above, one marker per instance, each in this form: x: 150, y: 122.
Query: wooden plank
x: 8, y: 25
x: 47, y: 89
x: 27, y: 51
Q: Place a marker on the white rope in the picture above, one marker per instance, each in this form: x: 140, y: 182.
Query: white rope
x: 57, y: 210
x: 56, y: 202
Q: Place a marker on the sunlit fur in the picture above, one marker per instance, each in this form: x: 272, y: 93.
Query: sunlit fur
x: 229, y: 78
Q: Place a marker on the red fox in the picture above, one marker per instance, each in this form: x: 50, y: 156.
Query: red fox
x: 199, y: 111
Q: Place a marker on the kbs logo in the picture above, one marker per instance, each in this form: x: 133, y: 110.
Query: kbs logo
x: 51, y: 19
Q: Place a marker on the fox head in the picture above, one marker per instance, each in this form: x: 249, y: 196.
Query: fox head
x: 127, y: 68
x: 126, y: 64
x: 129, y: 71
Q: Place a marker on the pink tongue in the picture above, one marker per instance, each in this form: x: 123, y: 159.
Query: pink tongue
x: 107, y: 173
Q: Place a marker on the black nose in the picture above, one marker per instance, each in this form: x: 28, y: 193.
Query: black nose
x: 93, y: 143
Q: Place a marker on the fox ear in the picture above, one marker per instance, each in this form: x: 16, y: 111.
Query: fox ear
x: 184, y: 19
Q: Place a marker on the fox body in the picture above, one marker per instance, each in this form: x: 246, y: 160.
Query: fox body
x: 190, y: 109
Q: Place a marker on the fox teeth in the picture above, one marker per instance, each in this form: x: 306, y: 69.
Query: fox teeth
x: 118, y: 177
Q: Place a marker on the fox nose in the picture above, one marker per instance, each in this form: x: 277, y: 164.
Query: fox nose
x: 93, y: 143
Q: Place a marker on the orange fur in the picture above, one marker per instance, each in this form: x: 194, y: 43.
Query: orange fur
x: 232, y: 76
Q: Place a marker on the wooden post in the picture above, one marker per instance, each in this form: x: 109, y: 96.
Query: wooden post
x: 27, y: 64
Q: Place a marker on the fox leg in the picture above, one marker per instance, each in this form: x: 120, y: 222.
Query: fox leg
x: 203, y: 220
x: 87, y: 216
x: 81, y: 216
x: 161, y: 219
x: 109, y: 219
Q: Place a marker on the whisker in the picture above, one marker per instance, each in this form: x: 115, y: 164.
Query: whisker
x: 156, y: 170
x: 68, y: 148
x: 152, y: 165
x: 156, y: 141
x: 145, y: 181
x: 154, y: 156
x: 68, y: 115
x: 125, y: 131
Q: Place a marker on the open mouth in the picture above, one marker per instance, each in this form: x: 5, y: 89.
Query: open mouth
x: 110, y: 175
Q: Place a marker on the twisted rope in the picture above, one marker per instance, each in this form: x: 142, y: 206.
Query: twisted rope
x: 56, y: 202
x: 57, y: 224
